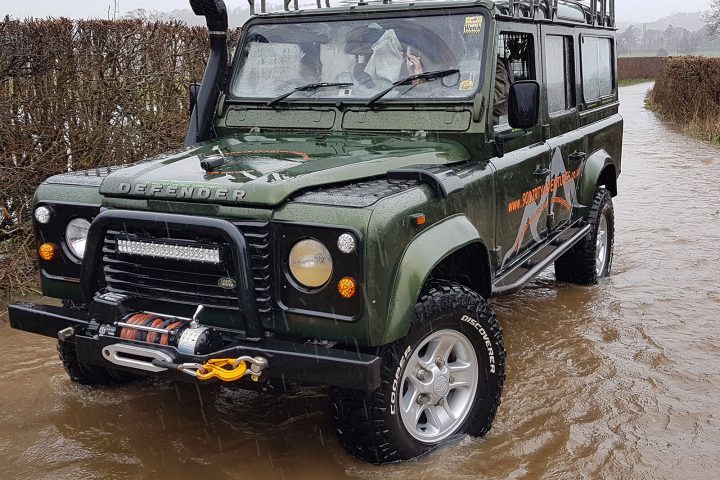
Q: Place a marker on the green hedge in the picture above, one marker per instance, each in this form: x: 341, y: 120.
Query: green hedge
x: 687, y: 92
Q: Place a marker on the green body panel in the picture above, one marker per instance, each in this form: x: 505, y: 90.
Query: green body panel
x: 269, y: 169
x: 58, y: 193
x: 275, y: 155
x: 421, y: 256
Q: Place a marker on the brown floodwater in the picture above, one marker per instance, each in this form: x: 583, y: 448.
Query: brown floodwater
x: 620, y: 380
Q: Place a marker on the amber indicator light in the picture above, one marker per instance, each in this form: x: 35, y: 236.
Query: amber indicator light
x: 347, y: 287
x: 47, y: 251
x: 418, y: 219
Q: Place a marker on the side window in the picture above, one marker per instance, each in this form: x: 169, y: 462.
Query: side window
x: 597, y: 68
x: 560, y: 73
x: 515, y: 61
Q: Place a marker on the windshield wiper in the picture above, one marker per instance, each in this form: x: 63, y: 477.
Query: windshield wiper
x: 427, y: 76
x: 305, y: 88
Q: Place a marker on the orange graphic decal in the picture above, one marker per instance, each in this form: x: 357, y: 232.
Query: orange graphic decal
x: 534, y: 195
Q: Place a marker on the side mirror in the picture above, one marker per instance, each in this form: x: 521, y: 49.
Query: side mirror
x: 193, y: 90
x: 524, y: 104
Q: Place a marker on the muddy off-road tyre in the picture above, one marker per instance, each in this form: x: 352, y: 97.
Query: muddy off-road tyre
x: 444, y: 378
x: 90, y: 375
x: 591, y: 258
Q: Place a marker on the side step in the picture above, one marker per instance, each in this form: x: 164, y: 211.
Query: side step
x: 517, y: 277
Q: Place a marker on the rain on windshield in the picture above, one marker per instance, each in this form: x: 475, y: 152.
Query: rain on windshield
x: 370, y: 56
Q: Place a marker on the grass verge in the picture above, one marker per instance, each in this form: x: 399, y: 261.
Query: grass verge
x: 635, y: 81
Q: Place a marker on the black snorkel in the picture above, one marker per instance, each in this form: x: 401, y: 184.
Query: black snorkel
x: 215, y: 13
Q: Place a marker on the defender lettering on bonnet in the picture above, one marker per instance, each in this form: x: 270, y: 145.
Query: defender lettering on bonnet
x: 161, y: 190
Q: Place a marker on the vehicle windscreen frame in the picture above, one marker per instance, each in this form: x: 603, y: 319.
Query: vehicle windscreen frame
x: 377, y: 14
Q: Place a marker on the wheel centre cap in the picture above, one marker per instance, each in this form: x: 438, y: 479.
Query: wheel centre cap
x: 440, y: 386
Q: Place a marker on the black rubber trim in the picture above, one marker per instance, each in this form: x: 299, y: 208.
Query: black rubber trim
x: 445, y: 181
x: 91, y: 268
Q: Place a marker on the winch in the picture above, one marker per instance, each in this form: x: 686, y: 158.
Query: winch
x: 186, y: 335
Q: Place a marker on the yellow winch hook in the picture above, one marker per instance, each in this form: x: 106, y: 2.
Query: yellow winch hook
x: 225, y: 369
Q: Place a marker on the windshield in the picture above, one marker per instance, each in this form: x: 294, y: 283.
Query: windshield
x: 368, y: 55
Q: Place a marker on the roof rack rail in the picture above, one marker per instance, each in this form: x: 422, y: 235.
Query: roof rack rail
x: 598, y: 13
x: 286, y: 5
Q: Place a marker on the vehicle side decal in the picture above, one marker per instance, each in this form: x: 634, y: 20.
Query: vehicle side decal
x: 540, y: 198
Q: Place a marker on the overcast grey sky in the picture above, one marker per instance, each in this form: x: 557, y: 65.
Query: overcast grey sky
x: 627, y: 10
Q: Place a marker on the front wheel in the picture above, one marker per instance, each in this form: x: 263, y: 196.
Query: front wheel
x: 444, y: 378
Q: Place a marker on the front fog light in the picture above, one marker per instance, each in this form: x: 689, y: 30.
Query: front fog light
x: 346, y: 243
x: 310, y: 263
x: 76, y: 235
x: 42, y: 215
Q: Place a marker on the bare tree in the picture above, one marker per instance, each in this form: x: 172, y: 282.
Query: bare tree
x: 712, y: 18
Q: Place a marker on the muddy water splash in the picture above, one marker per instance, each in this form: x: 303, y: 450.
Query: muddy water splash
x: 615, y: 381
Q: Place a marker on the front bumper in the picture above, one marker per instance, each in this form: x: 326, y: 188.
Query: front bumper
x: 287, y: 361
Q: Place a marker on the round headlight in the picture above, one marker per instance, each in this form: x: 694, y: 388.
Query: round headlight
x: 310, y: 263
x: 76, y: 235
x: 42, y: 215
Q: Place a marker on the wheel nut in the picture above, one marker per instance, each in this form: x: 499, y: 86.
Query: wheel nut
x: 422, y: 374
x: 451, y: 379
x: 440, y: 362
x: 440, y: 402
x: 423, y: 398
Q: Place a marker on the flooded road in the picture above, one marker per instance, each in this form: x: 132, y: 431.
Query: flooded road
x: 620, y: 380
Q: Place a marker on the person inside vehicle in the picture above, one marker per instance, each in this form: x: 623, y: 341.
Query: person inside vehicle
x: 387, y: 60
x: 501, y: 91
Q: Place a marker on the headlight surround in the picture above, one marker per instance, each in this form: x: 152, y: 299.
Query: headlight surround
x: 310, y: 263
x: 76, y: 235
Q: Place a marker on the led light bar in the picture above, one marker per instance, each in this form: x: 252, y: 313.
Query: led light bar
x: 175, y: 252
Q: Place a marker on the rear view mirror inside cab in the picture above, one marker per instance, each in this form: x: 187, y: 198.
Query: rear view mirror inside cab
x: 524, y: 104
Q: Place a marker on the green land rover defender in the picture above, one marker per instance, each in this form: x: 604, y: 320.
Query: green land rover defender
x: 356, y: 185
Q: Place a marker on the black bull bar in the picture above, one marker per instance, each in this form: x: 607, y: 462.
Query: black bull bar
x: 287, y: 361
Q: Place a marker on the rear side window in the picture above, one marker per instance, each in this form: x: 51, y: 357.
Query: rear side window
x: 597, y: 67
x: 559, y: 72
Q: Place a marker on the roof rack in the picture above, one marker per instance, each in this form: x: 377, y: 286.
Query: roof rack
x: 286, y: 5
x: 598, y: 13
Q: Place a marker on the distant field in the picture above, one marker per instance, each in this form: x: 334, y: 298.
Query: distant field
x: 653, y: 53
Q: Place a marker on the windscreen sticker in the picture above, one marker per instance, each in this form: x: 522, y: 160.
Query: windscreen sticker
x: 473, y: 25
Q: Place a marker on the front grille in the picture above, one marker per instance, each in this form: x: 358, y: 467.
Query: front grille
x: 185, y: 282
x: 257, y: 237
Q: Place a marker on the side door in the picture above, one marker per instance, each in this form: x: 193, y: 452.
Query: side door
x: 562, y: 121
x: 522, y: 206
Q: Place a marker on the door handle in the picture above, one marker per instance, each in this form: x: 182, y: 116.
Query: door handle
x: 541, y: 173
x: 577, y: 157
